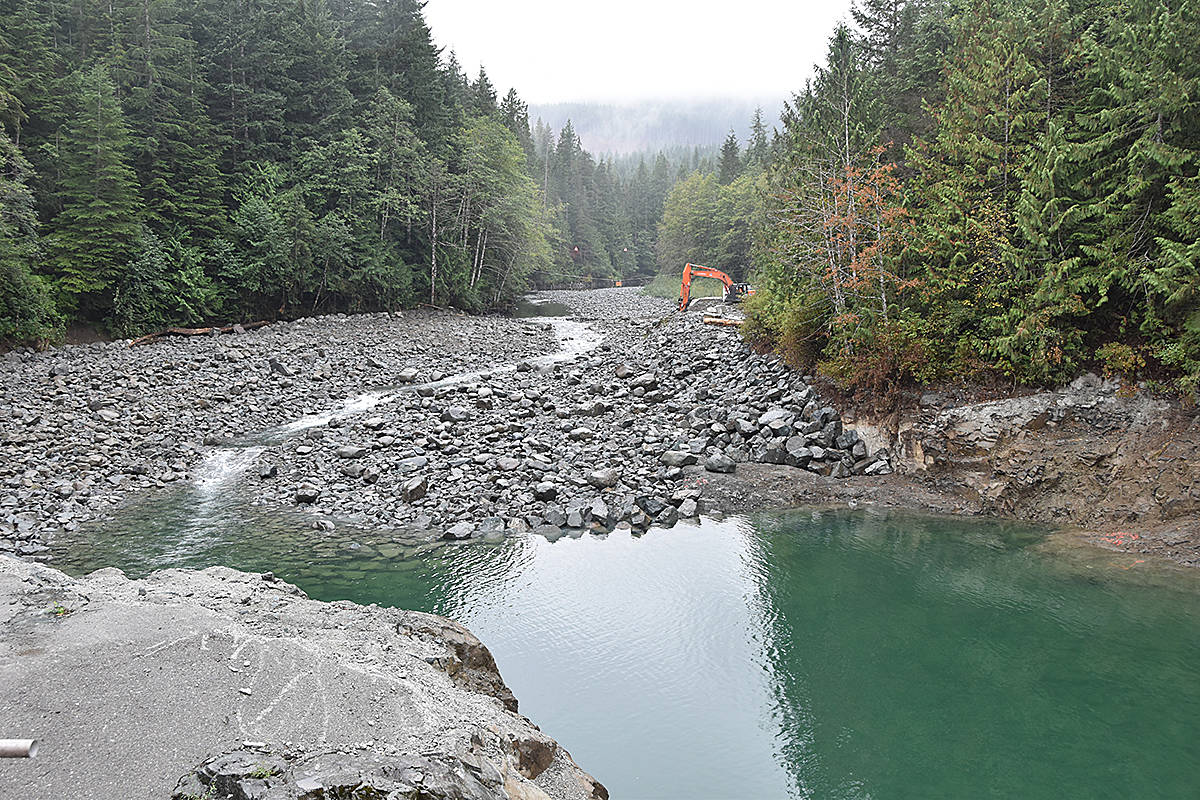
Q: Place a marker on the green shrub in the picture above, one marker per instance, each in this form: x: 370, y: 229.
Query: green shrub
x: 165, y: 285
x: 27, y: 313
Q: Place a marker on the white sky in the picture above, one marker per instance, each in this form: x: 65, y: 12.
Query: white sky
x: 612, y: 50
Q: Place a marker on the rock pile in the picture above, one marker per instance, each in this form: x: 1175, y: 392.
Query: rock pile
x: 623, y: 434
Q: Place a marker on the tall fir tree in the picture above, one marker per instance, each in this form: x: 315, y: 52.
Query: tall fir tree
x: 731, y: 160
x: 95, y: 235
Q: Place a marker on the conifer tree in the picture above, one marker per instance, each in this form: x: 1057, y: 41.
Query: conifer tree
x: 731, y: 160
x: 172, y: 138
x: 1140, y: 152
x: 26, y: 310
x: 758, y: 149
x: 514, y: 113
x: 95, y: 235
x: 483, y: 95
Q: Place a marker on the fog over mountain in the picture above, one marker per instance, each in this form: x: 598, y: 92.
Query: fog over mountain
x: 636, y: 126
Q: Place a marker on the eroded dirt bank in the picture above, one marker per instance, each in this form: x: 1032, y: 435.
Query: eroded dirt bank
x: 1119, y: 470
x: 1122, y: 468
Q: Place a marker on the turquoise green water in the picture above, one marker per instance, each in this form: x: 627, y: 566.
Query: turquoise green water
x: 823, y: 655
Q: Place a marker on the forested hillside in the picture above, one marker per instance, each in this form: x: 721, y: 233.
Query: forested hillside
x: 983, y: 189
x: 172, y: 161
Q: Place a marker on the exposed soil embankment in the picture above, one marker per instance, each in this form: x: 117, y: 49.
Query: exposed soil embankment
x: 1121, y: 471
x: 241, y: 683
x: 1123, y: 468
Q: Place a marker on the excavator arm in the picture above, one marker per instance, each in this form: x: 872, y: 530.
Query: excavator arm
x: 733, y: 291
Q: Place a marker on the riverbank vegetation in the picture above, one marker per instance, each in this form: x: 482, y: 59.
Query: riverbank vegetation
x: 988, y: 189
x: 164, y: 162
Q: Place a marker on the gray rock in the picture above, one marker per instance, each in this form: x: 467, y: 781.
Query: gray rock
x: 414, y: 489
x: 459, y: 531
x: 646, y: 381
x: 407, y: 375
x: 775, y: 414
x: 280, y: 368
x: 719, y: 462
x: 678, y: 458
x: 599, y: 510
x: 651, y: 506
x: 878, y: 468
x: 545, y: 491
x: 307, y: 493
x: 605, y: 478
x: 745, y: 427
x: 552, y: 533
x: 351, y: 451
x: 412, y: 463
x: 491, y: 525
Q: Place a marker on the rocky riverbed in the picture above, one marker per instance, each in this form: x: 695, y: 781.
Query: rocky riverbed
x: 438, y: 425
x: 85, y: 427
x: 435, y: 424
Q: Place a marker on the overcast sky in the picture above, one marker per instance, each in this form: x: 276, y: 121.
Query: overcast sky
x: 611, y: 50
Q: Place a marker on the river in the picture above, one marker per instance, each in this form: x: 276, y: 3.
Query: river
x: 798, y: 654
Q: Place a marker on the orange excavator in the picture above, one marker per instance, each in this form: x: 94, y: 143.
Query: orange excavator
x: 734, y: 292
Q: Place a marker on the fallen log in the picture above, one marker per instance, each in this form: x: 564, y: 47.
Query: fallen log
x: 730, y: 321
x: 150, y: 337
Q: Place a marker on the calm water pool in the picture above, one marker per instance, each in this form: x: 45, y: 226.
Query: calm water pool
x: 804, y: 654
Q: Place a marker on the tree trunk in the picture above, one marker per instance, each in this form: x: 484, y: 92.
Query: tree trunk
x: 433, y: 269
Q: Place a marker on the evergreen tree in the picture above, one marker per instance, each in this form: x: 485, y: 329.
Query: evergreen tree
x: 514, y: 113
x: 95, y: 236
x: 759, y: 150
x: 172, y: 136
x: 318, y: 99
x: 1137, y: 159
x: 731, y: 161
x: 26, y: 309
x: 483, y: 96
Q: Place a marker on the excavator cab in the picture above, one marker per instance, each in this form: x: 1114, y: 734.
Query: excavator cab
x: 734, y: 292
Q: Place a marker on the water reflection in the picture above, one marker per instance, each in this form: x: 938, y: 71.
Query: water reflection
x: 913, y: 652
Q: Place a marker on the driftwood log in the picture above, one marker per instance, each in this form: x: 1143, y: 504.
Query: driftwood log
x: 150, y: 337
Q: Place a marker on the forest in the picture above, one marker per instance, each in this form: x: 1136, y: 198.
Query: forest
x: 167, y: 162
x: 984, y: 190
